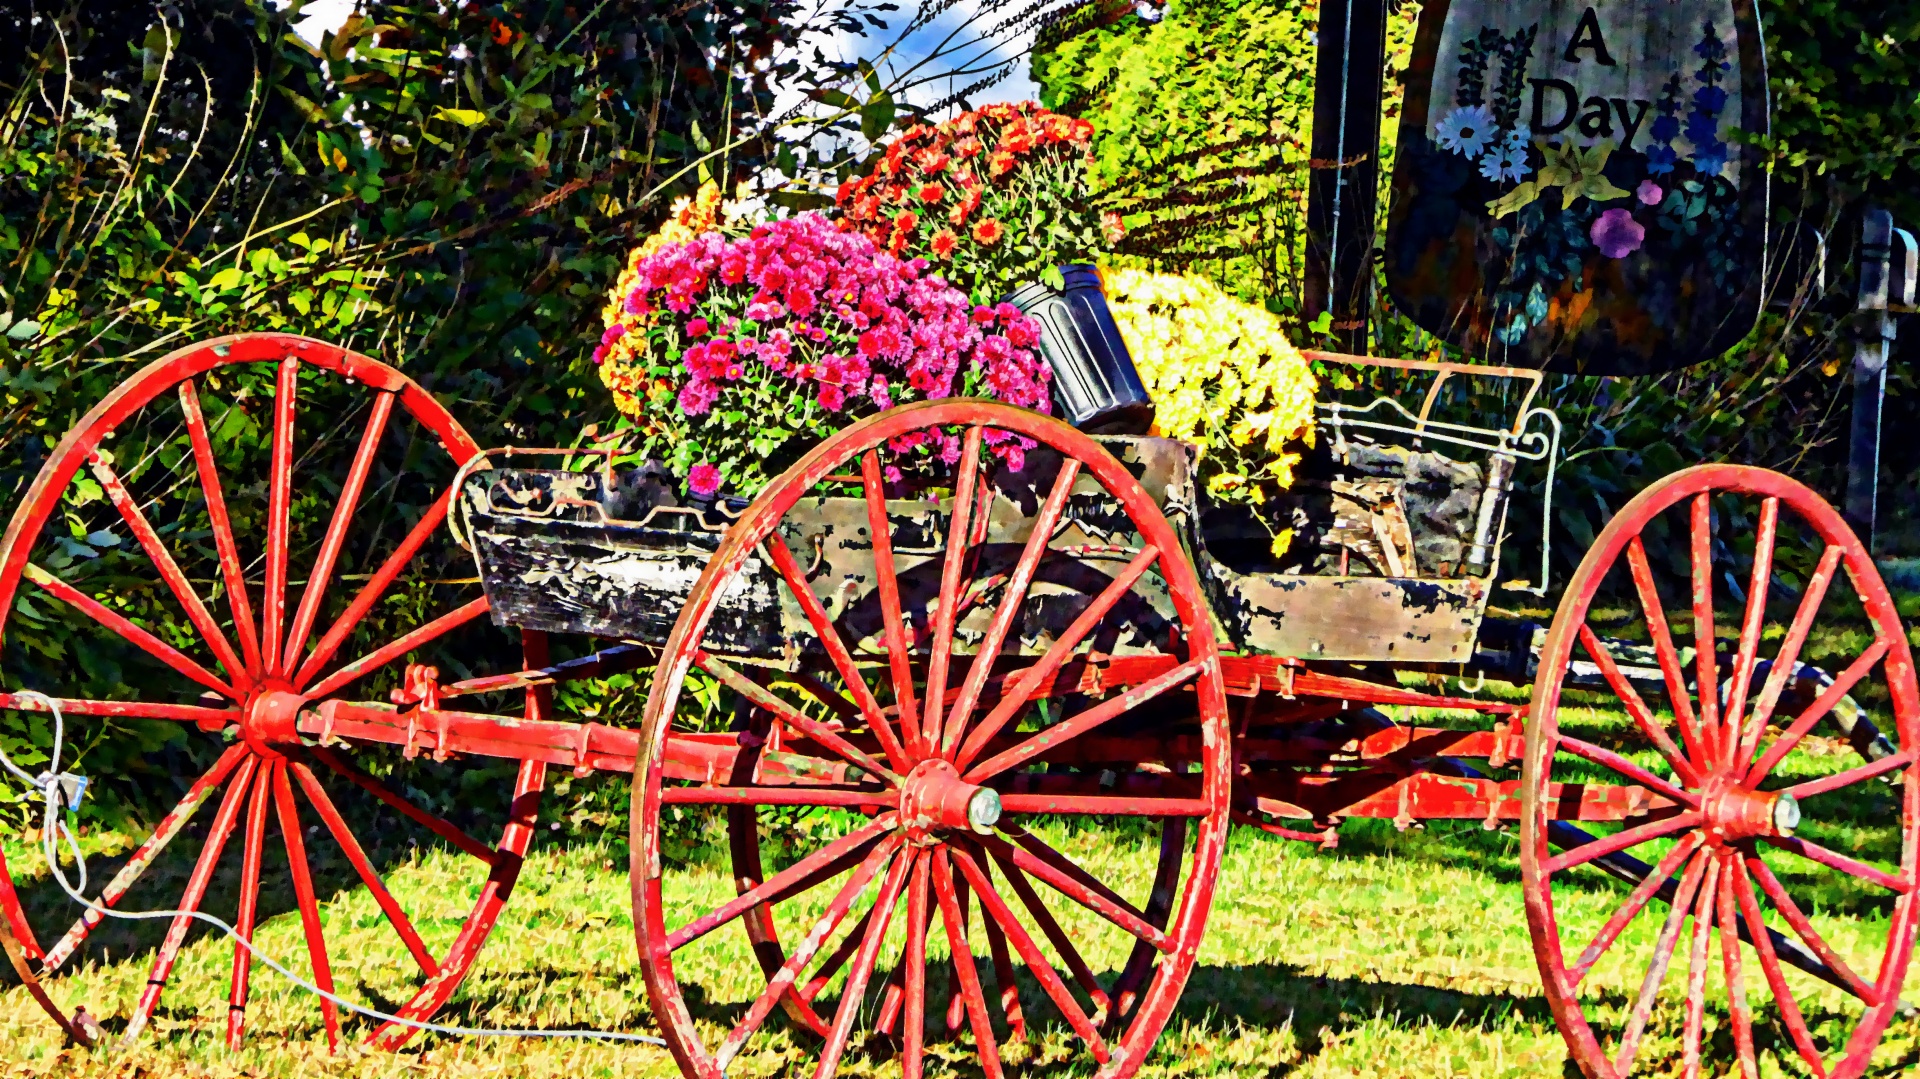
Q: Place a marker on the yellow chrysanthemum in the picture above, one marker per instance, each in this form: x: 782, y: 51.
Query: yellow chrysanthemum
x: 1221, y: 372
x: 622, y: 369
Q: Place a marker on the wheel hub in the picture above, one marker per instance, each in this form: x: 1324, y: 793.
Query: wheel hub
x: 270, y: 715
x: 934, y: 797
x: 1734, y: 813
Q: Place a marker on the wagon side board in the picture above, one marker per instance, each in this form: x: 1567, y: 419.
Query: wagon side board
x: 1357, y: 619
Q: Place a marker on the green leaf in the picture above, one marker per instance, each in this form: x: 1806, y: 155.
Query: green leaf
x: 463, y: 117
x: 876, y: 116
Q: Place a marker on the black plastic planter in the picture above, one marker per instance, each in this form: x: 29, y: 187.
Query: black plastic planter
x: 1095, y: 385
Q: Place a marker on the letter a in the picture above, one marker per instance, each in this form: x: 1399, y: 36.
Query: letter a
x: 1586, y: 35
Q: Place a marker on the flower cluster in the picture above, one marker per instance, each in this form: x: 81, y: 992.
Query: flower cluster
x: 1493, y: 138
x: 725, y: 350
x: 1222, y: 375
x: 958, y: 192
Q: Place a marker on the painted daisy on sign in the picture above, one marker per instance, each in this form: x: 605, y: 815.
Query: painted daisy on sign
x: 1505, y: 163
x: 1468, y: 130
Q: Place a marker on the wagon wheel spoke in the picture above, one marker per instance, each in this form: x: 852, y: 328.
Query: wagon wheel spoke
x: 169, y: 570
x: 143, y: 856
x: 1607, y: 758
x: 131, y: 633
x: 196, y: 889
x: 957, y: 1013
x: 1832, y: 859
x: 1062, y: 944
x: 1697, y: 961
x: 411, y: 641
x: 1742, y: 1012
x: 376, y: 587
x: 1823, y: 705
x: 1140, y: 964
x: 994, y: 907
x: 343, y: 513
x: 1786, y: 659
x: 1662, y: 957
x: 784, y: 980
x: 273, y: 602
x: 440, y: 826
x: 1063, y: 876
x: 1655, y: 613
x: 967, y: 989
x: 1796, y: 1024
x: 231, y: 571
x: 1636, y: 708
x: 307, y: 901
x: 946, y: 611
x: 1759, y: 583
x: 914, y: 957
x: 824, y: 974
x: 854, y: 990
x: 1010, y: 607
x: 1003, y: 981
x: 1705, y: 660
x: 793, y: 717
x: 356, y: 855
x: 887, y: 588
x: 1636, y: 902
x: 1089, y: 720
x: 836, y: 648
x: 822, y: 865
x: 70, y: 706
x: 256, y: 839
x: 1020, y: 693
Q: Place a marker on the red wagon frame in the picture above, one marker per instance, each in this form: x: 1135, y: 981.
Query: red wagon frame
x: 1185, y: 729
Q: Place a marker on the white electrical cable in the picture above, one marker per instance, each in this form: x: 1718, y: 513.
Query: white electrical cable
x: 55, y: 785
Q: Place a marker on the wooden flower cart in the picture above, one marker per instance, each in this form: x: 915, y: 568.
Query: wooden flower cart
x: 908, y: 713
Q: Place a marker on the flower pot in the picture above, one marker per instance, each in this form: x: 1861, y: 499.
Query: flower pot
x: 1095, y: 384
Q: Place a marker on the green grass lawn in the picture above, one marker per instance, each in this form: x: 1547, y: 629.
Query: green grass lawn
x: 1396, y: 955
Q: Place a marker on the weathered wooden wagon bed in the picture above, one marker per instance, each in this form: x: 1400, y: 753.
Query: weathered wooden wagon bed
x: 904, y: 707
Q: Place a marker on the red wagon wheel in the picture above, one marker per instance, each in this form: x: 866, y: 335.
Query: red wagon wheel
x: 148, y: 581
x: 1743, y: 821
x: 900, y: 810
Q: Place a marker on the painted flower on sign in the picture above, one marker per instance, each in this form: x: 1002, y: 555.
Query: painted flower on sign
x: 1617, y: 234
x: 1504, y: 163
x: 1467, y: 131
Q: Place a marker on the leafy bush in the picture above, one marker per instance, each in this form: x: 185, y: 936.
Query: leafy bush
x: 448, y: 188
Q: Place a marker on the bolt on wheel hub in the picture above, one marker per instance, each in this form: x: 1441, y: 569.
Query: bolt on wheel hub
x: 933, y: 797
x: 1734, y: 813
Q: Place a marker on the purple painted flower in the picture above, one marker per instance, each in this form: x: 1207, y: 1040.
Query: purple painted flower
x: 1649, y: 193
x: 703, y: 480
x: 1617, y: 234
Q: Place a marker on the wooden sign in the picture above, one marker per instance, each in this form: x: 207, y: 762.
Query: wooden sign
x: 1574, y: 187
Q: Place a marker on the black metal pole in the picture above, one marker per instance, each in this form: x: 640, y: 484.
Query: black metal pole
x: 1869, y: 372
x: 1341, y: 200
